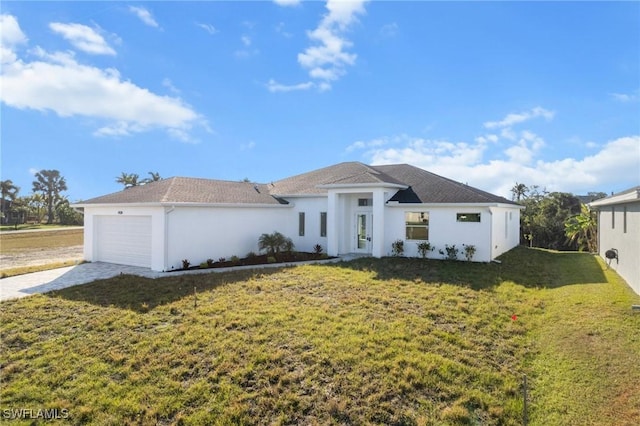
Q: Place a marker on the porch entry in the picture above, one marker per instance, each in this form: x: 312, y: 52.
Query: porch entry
x: 363, y: 234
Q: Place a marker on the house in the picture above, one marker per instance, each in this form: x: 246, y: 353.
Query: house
x: 346, y: 208
x: 11, y: 212
x: 619, y: 232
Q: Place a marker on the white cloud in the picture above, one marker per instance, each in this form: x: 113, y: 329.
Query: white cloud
x: 57, y: 82
x: 287, y: 2
x: 11, y: 36
x: 247, y: 146
x: 280, y: 30
x: 83, y: 38
x: 144, y: 15
x: 389, y: 30
x: 273, y: 86
x: 169, y: 85
x: 33, y: 171
x: 616, y: 161
x: 10, y: 33
x: 516, y: 118
x: 326, y: 60
x: 246, y: 40
x: 626, y: 97
x: 208, y: 28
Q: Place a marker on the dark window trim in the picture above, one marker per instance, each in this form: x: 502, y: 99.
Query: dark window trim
x: 301, y: 224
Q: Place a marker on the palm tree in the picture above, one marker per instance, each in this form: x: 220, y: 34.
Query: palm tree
x: 519, y: 192
x: 582, y: 229
x: 154, y: 178
x: 128, y: 180
x: 49, y: 183
x: 9, y: 190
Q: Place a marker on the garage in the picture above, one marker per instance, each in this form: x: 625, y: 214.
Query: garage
x: 124, y: 240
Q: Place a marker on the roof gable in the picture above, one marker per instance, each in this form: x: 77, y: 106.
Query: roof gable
x: 348, y: 173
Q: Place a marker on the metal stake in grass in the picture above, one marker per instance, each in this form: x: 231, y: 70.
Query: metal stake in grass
x: 195, y: 298
x: 525, y: 419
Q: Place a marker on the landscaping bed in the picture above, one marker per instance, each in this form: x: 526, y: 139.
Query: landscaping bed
x: 254, y: 259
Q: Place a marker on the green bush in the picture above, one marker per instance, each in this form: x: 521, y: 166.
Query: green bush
x: 397, y: 248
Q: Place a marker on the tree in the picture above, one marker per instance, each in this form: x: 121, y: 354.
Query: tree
x: 36, y: 203
x: 67, y: 215
x: 154, y: 178
x: 274, y: 243
x: 9, y: 190
x: 9, y: 194
x: 582, y: 229
x: 519, y: 191
x: 50, y: 184
x: 129, y: 180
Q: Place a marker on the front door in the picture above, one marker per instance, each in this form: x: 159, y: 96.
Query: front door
x: 363, y: 233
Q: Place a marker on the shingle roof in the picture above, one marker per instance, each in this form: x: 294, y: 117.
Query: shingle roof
x: 338, y: 174
x: 192, y: 190
x: 427, y: 187
x: 423, y: 187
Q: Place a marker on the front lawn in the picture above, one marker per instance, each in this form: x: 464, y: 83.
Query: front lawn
x: 372, y: 341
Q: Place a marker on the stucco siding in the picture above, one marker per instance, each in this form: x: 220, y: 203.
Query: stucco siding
x: 311, y: 207
x: 612, y: 235
x: 201, y: 233
x: 505, y: 230
x: 444, y: 229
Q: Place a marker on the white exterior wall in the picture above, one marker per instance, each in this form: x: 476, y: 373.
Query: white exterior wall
x: 505, y: 230
x: 488, y: 235
x: 443, y: 230
x: 201, y: 233
x: 311, y: 206
x: 157, y: 230
x: 627, y: 243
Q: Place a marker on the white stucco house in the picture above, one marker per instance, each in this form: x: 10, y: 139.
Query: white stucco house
x: 346, y: 208
x: 619, y: 231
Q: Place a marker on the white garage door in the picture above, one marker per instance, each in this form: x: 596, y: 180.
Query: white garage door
x: 124, y: 239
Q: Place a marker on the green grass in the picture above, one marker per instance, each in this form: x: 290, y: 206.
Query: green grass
x: 31, y: 227
x: 373, y: 341
x: 14, y: 243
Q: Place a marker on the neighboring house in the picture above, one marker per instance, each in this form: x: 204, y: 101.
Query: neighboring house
x: 346, y: 208
x: 619, y: 230
x: 10, y: 214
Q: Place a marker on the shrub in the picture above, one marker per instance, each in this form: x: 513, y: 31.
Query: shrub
x: 204, y: 265
x: 449, y: 252
x: 185, y: 264
x: 274, y: 243
x: 251, y: 255
x: 271, y: 259
x: 235, y: 260
x: 222, y: 259
x: 210, y: 263
x: 469, y: 251
x: 397, y: 248
x: 317, y: 249
x: 424, y: 248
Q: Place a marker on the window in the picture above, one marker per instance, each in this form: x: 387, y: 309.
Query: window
x: 613, y: 217
x: 323, y: 224
x: 468, y: 217
x: 416, y: 225
x: 624, y: 219
x: 301, y: 224
x: 364, y: 202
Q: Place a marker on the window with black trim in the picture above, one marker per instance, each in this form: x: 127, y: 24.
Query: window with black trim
x: 468, y: 217
x: 613, y: 217
x: 364, y: 202
x: 301, y: 224
x: 624, y: 219
x: 416, y: 225
x: 323, y: 224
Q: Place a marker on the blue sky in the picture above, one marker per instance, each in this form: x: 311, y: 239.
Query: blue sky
x: 487, y: 93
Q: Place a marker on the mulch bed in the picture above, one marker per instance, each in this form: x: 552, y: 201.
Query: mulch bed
x: 260, y: 259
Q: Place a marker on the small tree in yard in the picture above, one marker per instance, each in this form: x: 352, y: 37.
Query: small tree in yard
x: 50, y: 184
x: 424, y: 248
x: 274, y: 243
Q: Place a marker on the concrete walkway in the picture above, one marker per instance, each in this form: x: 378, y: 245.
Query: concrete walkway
x: 55, y: 279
